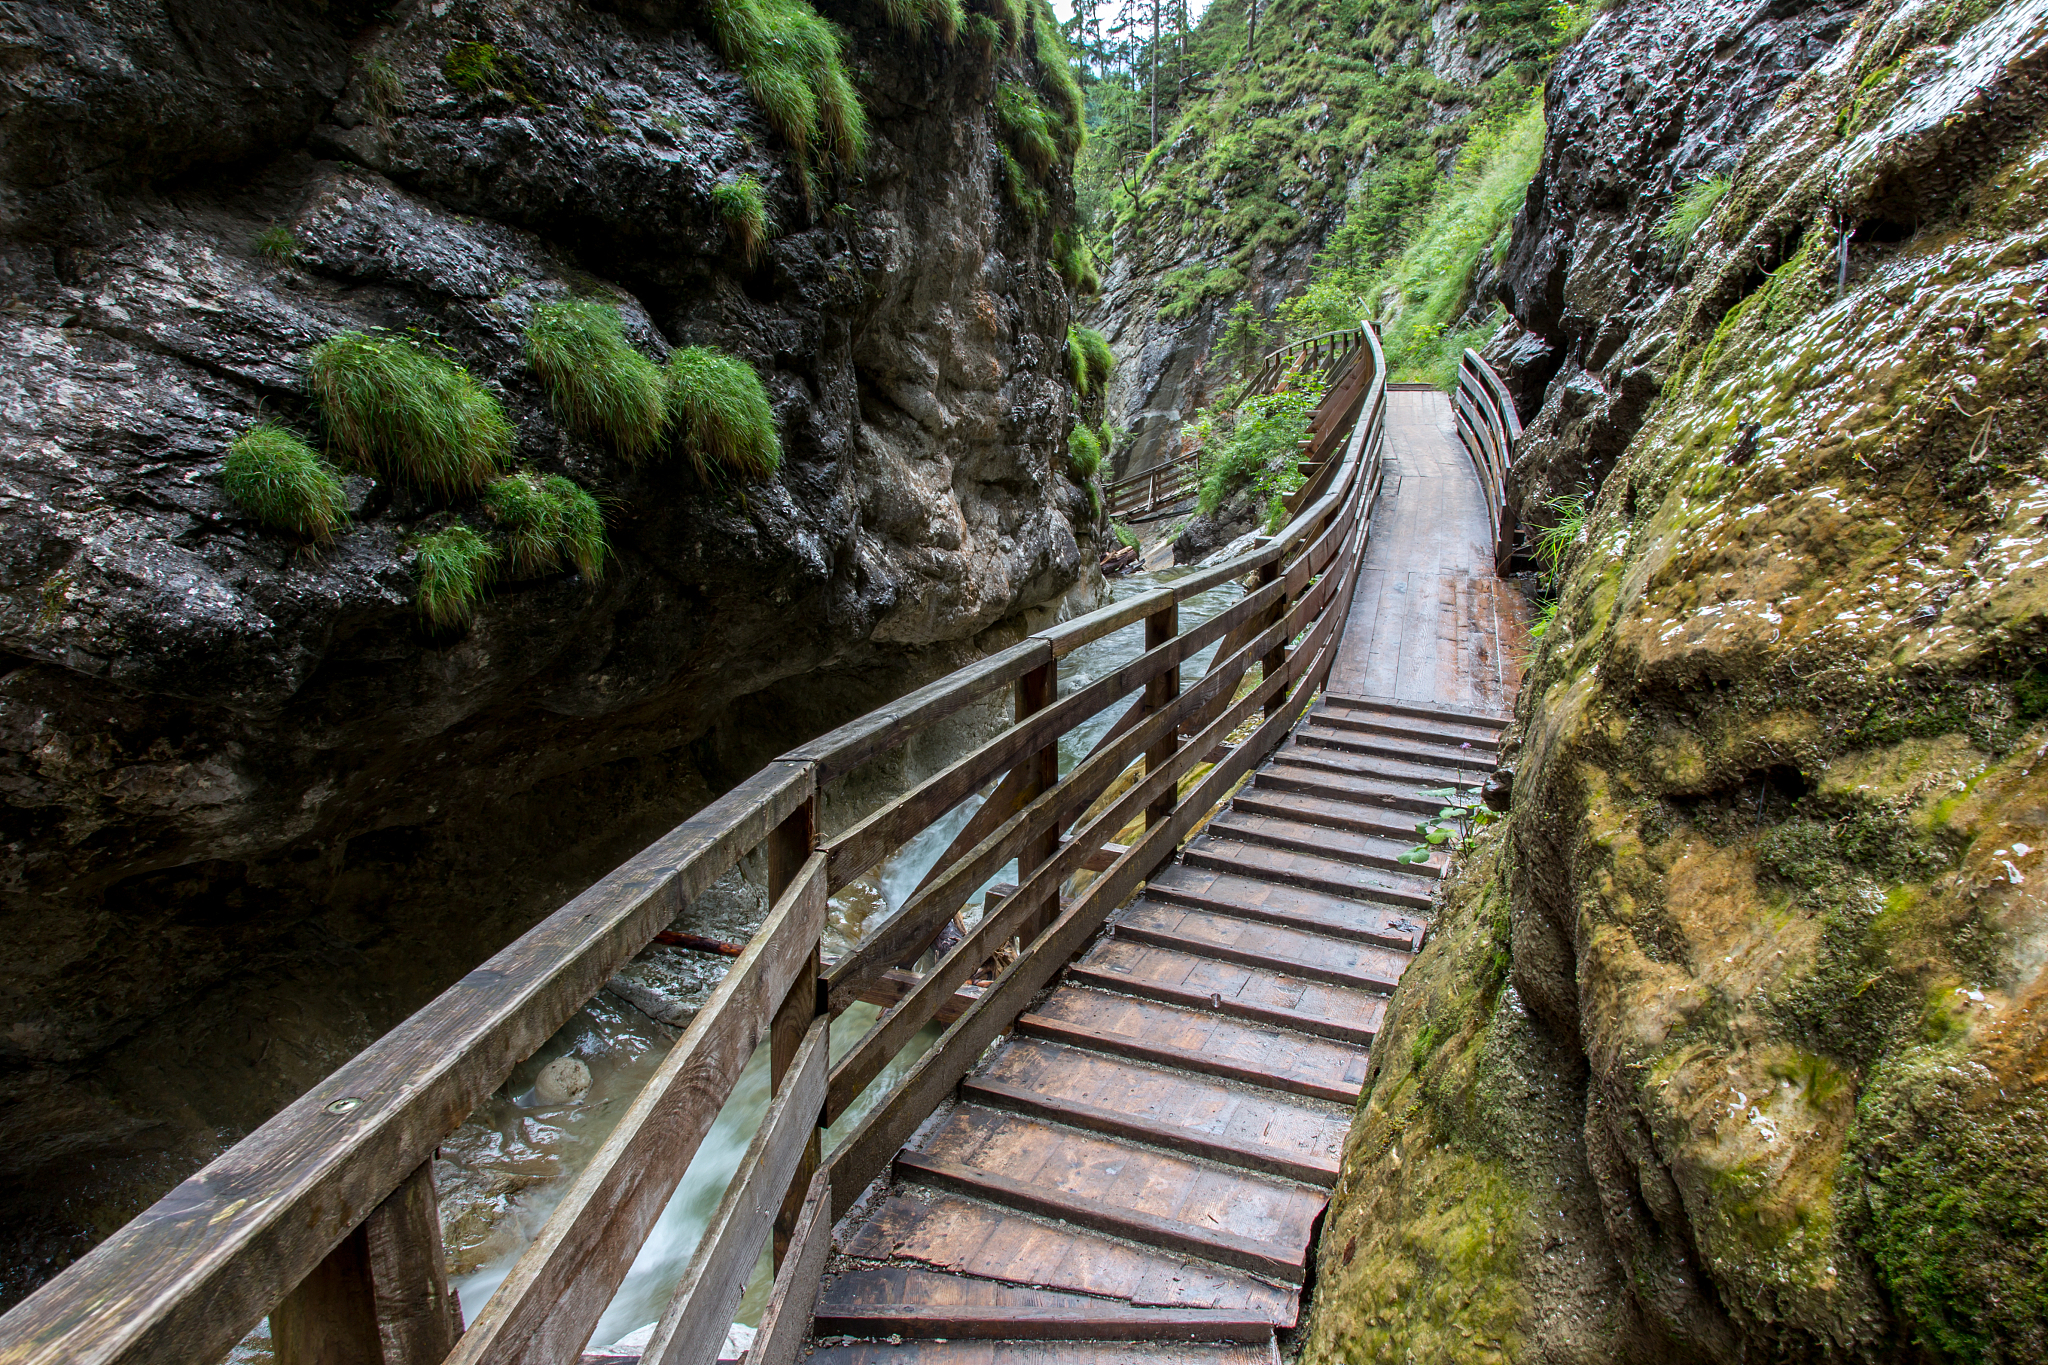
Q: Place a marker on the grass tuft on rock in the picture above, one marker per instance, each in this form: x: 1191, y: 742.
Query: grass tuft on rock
x: 790, y: 59
x: 408, y: 413
x: 454, y: 566
x: 278, y: 479
x: 1690, y: 209
x: 547, y: 523
x: 1027, y: 126
x: 1089, y: 359
x: 744, y: 208
x: 479, y: 68
x: 986, y: 35
x: 276, y: 243
x: 721, y: 411
x: 594, y: 377
x: 1084, y: 453
x: 915, y: 17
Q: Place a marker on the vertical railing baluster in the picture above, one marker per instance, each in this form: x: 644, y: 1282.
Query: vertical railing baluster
x: 1275, y: 660
x: 379, y: 1298
x: 788, y: 847
x: 1160, y: 627
x: 1037, y: 690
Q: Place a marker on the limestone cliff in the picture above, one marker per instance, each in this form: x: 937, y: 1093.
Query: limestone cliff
x: 1732, y: 1045
x: 256, y: 810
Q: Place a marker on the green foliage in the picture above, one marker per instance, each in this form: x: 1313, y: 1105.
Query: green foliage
x: 1089, y: 359
x: 275, y: 243
x: 409, y: 413
x: 1689, y: 210
x: 1555, y: 542
x: 1075, y: 264
x: 721, y: 409
x: 1019, y: 189
x: 1125, y: 536
x: 915, y: 17
x: 1056, y: 73
x: 547, y: 523
x: 594, y: 378
x: 986, y: 35
x: 455, y: 566
x: 791, y: 61
x: 1084, y: 453
x: 276, y: 478
x: 382, y: 90
x: 1255, y: 446
x: 479, y: 68
x: 744, y: 208
x: 1243, y: 343
x: 1027, y: 126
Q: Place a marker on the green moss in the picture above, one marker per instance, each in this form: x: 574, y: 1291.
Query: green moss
x: 409, y: 413
x: 1089, y: 359
x: 1084, y: 453
x: 277, y: 478
x: 547, y: 523
x: 744, y: 209
x: 792, y: 63
x: 594, y: 378
x: 455, y: 567
x: 480, y: 68
x: 722, y: 413
x: 275, y: 243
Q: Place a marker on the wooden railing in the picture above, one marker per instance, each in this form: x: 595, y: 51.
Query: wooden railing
x: 325, y: 1219
x: 1163, y: 486
x: 1489, y: 426
x: 1321, y: 354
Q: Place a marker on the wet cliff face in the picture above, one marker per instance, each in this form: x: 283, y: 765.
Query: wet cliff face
x: 255, y: 810
x: 1768, y: 909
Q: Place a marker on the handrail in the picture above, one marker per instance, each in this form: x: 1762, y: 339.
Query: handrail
x: 1321, y: 353
x: 1488, y: 427
x: 1150, y: 490
x: 324, y: 1218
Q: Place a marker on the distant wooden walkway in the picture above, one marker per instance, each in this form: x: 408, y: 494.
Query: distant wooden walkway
x: 1135, y: 1174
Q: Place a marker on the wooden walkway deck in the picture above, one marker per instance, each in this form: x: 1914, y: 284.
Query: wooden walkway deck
x: 1135, y: 1174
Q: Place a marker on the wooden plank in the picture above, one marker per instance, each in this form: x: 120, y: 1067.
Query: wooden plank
x: 1328, y: 777
x: 1325, y: 759
x: 1271, y: 947
x: 1392, y: 919
x: 1469, y: 762
x: 1330, y: 876
x: 786, y: 1320
x: 418, y: 1319
x: 1000, y: 1247
x: 699, y: 1312
x: 1379, y: 851
x: 854, y: 743
x: 1196, y: 1039
x: 1341, y: 715
x: 915, y: 1352
x: 1393, y: 707
x: 191, y: 1275
x: 1256, y: 1131
x: 330, y: 1317
x: 546, y: 1307
x: 1265, y: 997
x: 896, y: 983
x: 1081, y: 1320
x: 1358, y: 817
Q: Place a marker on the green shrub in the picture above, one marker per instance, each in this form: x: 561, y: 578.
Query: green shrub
x: 1084, y: 453
x: 407, y: 413
x: 1689, y: 210
x: 744, y: 208
x: 1125, y: 536
x: 1555, y: 542
x: 455, y: 567
x: 1255, y: 446
x: 790, y: 59
x: 1094, y: 500
x: 547, y: 523
x: 276, y: 478
x: 1010, y: 15
x: 721, y: 410
x: 1089, y: 359
x: 276, y: 243
x: 594, y: 378
x: 1056, y: 72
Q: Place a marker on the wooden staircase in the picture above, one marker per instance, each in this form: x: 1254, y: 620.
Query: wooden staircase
x: 1136, y: 1173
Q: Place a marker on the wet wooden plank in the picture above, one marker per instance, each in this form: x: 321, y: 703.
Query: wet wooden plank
x: 1392, y: 707
x: 1380, y: 851
x: 1416, y: 775
x: 852, y: 744
x: 1254, y: 1223
x: 1346, y: 715
x: 912, y: 1352
x: 786, y: 1320
x: 1359, y: 817
x: 922, y: 1303
x: 1401, y: 750
x: 1318, y: 957
x: 1178, y: 978
x: 1291, y: 771
x: 1254, y: 1130
x: 1330, y: 876
x: 1390, y: 920
x: 970, y: 1238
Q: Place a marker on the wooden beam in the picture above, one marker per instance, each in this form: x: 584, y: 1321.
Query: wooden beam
x: 786, y: 1320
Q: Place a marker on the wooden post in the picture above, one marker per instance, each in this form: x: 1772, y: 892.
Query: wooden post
x: 1160, y: 627
x: 1276, y: 659
x: 788, y: 848
x: 379, y: 1298
x: 1037, y: 690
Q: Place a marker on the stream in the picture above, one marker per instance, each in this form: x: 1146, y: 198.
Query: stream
x: 503, y: 1172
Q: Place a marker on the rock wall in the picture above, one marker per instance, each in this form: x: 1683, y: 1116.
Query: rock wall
x: 255, y: 811
x: 1762, y: 942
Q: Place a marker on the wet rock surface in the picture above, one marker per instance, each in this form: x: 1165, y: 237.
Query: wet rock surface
x: 255, y: 811
x: 1770, y: 885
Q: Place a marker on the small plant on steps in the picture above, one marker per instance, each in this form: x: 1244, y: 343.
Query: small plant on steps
x: 1461, y: 816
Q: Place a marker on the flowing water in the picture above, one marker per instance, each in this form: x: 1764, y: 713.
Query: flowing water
x: 504, y: 1171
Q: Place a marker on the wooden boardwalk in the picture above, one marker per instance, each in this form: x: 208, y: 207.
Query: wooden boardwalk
x: 1136, y: 1172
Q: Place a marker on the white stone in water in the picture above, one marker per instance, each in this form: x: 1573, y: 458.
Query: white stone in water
x: 561, y: 1081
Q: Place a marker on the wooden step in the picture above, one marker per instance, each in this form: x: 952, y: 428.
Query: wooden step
x: 1180, y: 978
x: 906, y: 1301
x: 1330, y: 779
x: 1414, y: 777
x: 1343, y: 845
x: 1435, y: 730
x: 1205, y: 888
x: 912, y: 1352
x: 1473, y: 764
x: 1357, y: 816
x: 1253, y: 1130
x: 1250, y: 943
x: 1201, y: 1040
x: 1401, y: 708
x: 967, y: 1237
x: 1255, y: 1223
x: 1331, y: 876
